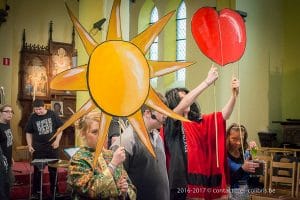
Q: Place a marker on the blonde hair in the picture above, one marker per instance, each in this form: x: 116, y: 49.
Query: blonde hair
x: 83, y: 124
x: 4, y: 106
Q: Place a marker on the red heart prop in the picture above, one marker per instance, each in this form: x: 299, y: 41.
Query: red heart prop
x: 221, y: 37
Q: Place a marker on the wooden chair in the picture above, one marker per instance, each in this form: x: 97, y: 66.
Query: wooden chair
x: 276, y: 178
x: 298, y: 181
x: 267, y: 163
x: 23, y: 153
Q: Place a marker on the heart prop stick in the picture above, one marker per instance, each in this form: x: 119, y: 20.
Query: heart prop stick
x: 220, y: 36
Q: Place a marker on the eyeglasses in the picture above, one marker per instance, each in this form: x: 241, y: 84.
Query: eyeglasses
x: 8, y: 111
x: 235, y: 140
x: 238, y: 127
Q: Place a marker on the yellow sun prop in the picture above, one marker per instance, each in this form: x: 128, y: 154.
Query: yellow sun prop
x: 117, y: 77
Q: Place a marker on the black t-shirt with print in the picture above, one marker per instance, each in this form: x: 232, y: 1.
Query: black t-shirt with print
x: 42, y: 128
x: 6, y: 141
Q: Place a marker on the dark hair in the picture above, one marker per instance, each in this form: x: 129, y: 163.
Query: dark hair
x: 57, y: 104
x: 174, y: 99
x: 173, y: 128
x: 38, y: 103
x: 237, y: 127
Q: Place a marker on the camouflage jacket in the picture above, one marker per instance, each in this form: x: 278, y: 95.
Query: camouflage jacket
x: 97, y: 183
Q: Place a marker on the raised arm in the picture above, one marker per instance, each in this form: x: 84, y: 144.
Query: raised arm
x: 228, y: 108
x: 190, y: 98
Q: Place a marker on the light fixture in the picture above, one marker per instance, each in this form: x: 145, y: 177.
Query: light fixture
x: 97, y: 26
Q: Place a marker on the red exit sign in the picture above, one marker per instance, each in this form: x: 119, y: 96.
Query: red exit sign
x: 6, y: 61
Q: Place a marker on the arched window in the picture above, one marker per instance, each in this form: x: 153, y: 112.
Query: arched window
x: 153, y: 52
x: 181, y: 39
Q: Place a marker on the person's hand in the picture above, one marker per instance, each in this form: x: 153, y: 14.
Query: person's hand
x: 250, y: 166
x: 122, y: 185
x: 118, y: 156
x: 31, y: 149
x: 55, y: 144
x: 114, y: 138
x: 212, y: 75
x: 235, y: 86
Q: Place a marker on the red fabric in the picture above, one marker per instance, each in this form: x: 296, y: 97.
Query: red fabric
x: 21, y: 187
x: 201, y: 144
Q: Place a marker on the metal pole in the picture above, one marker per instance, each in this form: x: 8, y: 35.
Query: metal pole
x: 30, y: 174
x: 54, y: 192
x: 41, y: 188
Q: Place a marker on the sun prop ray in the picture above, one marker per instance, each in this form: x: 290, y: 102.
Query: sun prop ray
x: 117, y: 77
x: 73, y: 79
x: 86, y: 108
x: 88, y: 42
x: 114, y: 27
x: 146, y: 38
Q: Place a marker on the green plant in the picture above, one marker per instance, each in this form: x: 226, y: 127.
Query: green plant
x: 253, y: 149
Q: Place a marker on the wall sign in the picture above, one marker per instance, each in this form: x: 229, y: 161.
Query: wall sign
x: 6, y: 61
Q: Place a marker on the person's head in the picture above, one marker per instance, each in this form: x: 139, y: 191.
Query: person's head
x: 57, y: 107
x: 175, y: 95
x: 233, y: 137
x: 39, y: 107
x: 88, y: 126
x: 6, y: 113
x: 152, y: 118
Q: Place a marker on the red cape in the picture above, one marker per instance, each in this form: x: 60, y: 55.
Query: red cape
x: 205, y: 179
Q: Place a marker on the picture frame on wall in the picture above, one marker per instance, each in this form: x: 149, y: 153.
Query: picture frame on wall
x: 34, y: 77
x: 61, y: 59
x: 58, y: 107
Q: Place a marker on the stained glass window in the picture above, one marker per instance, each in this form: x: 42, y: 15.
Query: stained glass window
x: 153, y: 52
x: 181, y: 39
